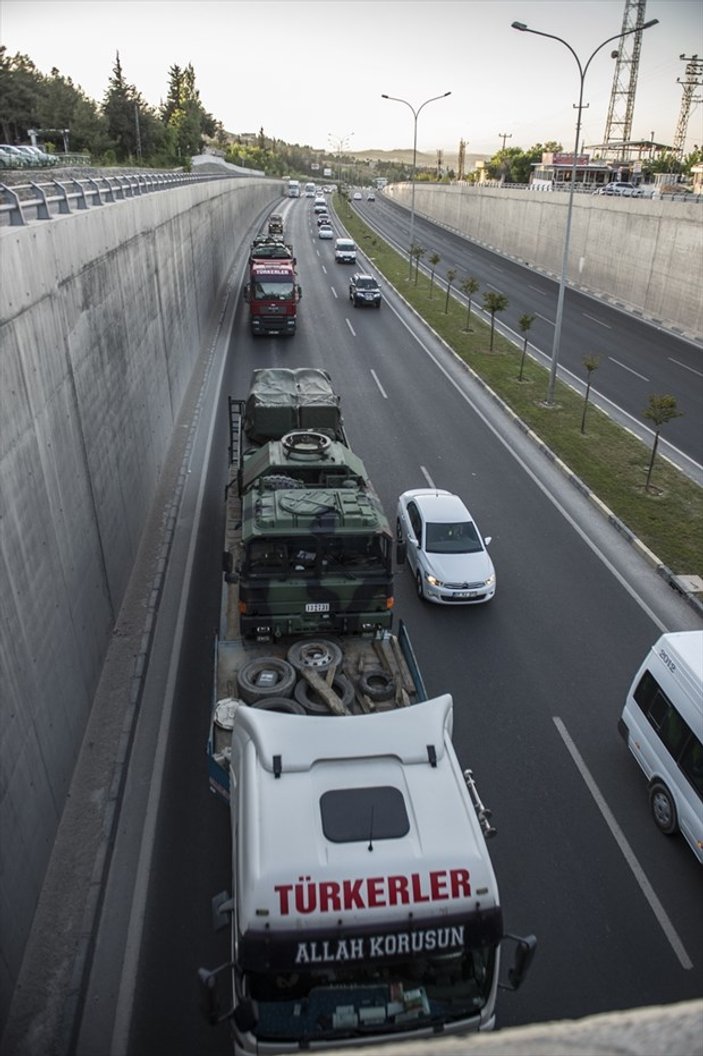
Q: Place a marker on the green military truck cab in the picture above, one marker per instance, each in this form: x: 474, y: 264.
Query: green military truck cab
x: 309, y: 548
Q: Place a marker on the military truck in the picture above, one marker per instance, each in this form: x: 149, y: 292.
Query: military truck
x: 311, y: 549
x: 364, y: 904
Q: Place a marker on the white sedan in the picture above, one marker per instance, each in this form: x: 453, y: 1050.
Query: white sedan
x: 441, y: 542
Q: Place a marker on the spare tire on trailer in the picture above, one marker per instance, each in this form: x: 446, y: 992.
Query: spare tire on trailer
x: 317, y: 654
x: 303, y: 443
x: 269, y: 676
x: 306, y: 695
x: 283, y: 704
x: 377, y: 684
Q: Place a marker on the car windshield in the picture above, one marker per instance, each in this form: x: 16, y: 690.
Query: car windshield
x: 458, y: 537
x: 366, y: 284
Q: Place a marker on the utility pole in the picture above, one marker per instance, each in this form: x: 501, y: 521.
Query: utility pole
x: 692, y: 81
x: 504, y: 136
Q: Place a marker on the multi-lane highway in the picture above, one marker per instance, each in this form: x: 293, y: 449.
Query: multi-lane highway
x: 538, y: 679
x: 637, y: 359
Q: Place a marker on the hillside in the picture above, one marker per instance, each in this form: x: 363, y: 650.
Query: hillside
x: 425, y: 159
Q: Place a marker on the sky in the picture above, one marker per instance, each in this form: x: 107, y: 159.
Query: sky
x: 313, y: 71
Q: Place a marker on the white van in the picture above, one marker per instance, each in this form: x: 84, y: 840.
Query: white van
x: 345, y: 251
x: 662, y: 723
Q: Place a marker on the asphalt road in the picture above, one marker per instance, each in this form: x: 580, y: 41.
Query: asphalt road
x: 538, y: 679
x: 637, y: 359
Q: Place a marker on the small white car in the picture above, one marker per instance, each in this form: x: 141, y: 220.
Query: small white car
x: 357, y: 196
x: 325, y: 231
x: 446, y: 552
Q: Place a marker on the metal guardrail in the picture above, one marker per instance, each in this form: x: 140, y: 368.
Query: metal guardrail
x: 44, y: 201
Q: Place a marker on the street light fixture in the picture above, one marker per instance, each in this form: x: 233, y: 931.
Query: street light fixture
x: 416, y: 114
x: 567, y: 234
x: 340, y: 146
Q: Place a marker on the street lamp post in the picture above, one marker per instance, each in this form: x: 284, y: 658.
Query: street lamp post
x: 569, y: 212
x: 416, y: 114
x: 340, y: 146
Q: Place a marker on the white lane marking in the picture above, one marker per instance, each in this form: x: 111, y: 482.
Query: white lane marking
x: 351, y: 328
x: 594, y: 320
x: 625, y: 367
x: 686, y: 366
x: 427, y: 477
x: 544, y: 318
x: 628, y: 854
x: 380, y: 387
x: 334, y: 292
x: 542, y: 293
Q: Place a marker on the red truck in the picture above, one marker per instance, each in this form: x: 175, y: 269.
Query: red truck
x: 272, y: 291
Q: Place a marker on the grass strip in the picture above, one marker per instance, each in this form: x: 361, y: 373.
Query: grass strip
x: 610, y: 461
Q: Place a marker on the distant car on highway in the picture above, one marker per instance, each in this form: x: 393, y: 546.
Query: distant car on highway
x: 357, y: 196
x: 370, y: 197
x: 325, y: 231
x: 364, y: 289
x: 345, y: 251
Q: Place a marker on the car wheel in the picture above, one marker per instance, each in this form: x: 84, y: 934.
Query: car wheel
x: 663, y: 808
x: 419, y: 587
x: 378, y: 304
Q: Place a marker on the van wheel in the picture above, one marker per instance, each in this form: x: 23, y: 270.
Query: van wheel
x: 663, y: 808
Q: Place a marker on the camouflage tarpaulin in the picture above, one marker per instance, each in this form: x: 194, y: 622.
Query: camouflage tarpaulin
x: 282, y: 399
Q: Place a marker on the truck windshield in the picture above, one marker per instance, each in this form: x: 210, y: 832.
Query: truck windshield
x: 367, y: 1000
x: 274, y: 291
x: 316, y: 556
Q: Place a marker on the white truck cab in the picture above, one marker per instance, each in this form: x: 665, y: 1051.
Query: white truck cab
x: 365, y: 901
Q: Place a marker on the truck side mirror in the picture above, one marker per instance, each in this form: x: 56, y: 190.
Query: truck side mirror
x: 400, y: 553
x: 300, y: 292
x: 246, y: 292
x: 524, y: 955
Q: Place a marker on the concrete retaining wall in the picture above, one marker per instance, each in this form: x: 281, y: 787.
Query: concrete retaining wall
x: 643, y: 254
x: 103, y: 315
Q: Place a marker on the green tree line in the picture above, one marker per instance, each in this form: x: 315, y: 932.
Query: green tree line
x: 124, y: 129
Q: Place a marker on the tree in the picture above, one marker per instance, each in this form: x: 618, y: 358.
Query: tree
x: 434, y: 261
x: 660, y: 410
x: 494, y: 302
x: 417, y: 252
x: 524, y: 322
x: 469, y: 286
x: 451, y: 275
x: 591, y: 363
x: 121, y: 111
x: 184, y: 115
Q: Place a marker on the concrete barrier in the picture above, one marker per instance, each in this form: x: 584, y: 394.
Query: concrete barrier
x: 638, y: 253
x: 103, y: 316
